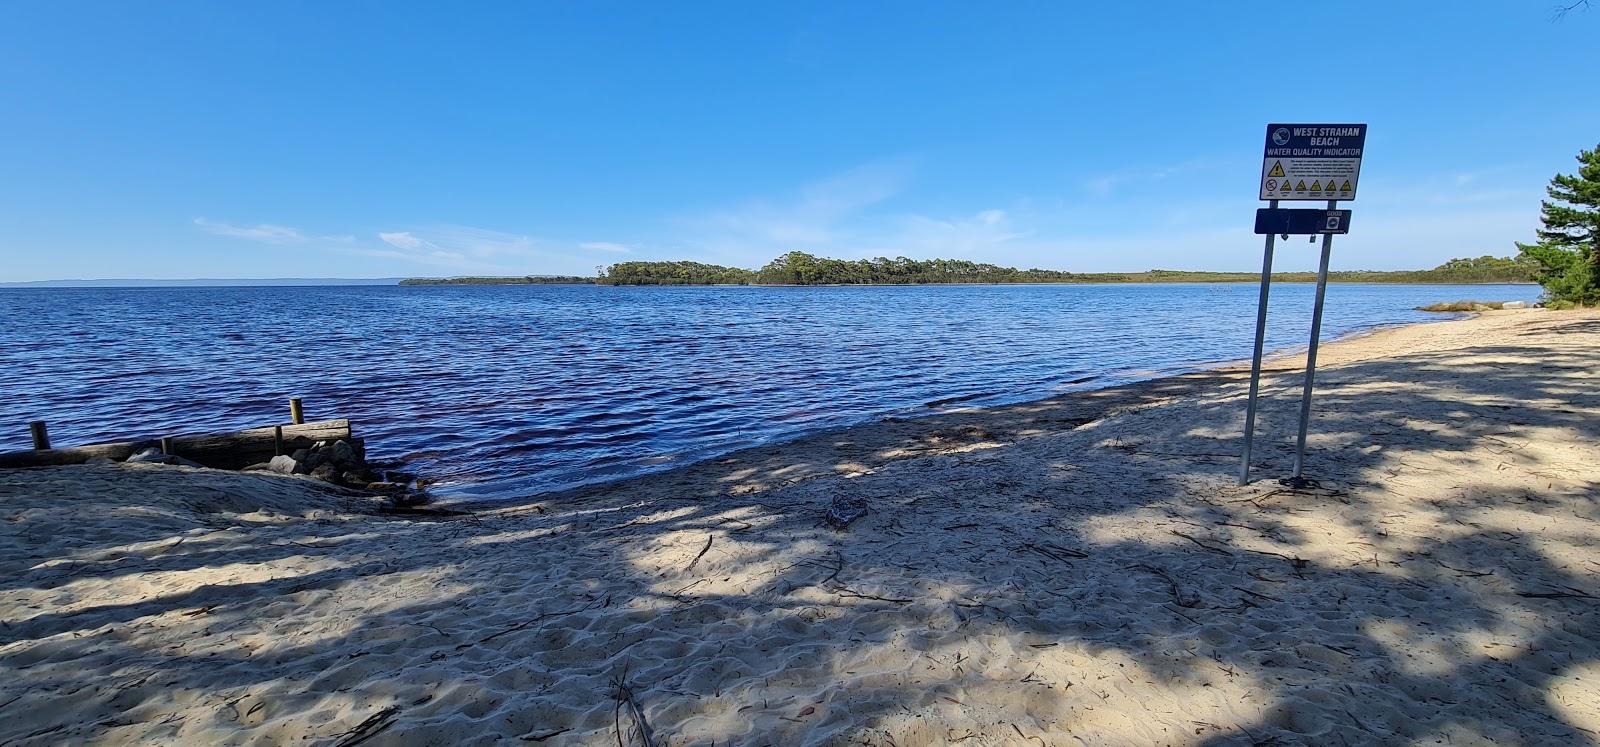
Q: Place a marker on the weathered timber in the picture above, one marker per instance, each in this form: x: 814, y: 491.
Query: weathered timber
x: 297, y: 413
x: 41, y: 436
x: 220, y: 450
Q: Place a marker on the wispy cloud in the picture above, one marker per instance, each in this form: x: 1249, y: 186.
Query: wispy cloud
x: 1103, y: 185
x: 984, y: 236
x: 460, y: 247
x: 812, y: 217
x: 267, y: 233
x: 606, y: 246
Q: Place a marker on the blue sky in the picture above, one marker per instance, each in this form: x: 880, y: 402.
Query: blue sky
x: 348, y: 139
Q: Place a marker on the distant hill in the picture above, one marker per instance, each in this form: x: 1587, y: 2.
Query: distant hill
x: 195, y: 283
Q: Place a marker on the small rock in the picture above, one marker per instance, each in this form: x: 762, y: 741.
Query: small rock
x: 356, y: 477
x: 286, y: 465
x: 342, y: 453
x: 150, y: 455
x: 326, y: 473
x: 844, y: 510
x: 315, y: 460
x: 300, y: 455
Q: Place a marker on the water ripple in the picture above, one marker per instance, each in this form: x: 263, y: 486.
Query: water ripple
x: 499, y: 391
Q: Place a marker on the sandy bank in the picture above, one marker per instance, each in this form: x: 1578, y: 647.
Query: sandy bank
x: 1081, y: 570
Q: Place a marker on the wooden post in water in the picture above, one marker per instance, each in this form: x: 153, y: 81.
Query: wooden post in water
x: 41, y: 437
x: 166, y: 445
x: 296, y: 415
x: 277, y: 440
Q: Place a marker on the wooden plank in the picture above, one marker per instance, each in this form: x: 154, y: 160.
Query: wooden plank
x: 221, y: 450
x: 74, y: 455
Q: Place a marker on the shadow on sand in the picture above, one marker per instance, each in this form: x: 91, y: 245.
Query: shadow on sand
x: 1079, y: 570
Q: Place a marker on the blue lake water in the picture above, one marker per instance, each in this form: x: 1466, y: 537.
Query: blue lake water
x: 513, y: 390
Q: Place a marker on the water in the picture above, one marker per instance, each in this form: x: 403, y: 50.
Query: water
x: 513, y: 390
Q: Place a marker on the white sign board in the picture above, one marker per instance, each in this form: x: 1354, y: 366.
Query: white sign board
x: 1312, y: 161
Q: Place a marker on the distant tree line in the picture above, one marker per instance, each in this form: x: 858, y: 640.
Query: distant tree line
x: 524, y: 280
x: 799, y: 268
x: 673, y: 273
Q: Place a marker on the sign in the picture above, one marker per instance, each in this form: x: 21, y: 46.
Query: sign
x: 1312, y: 161
x: 1301, y: 221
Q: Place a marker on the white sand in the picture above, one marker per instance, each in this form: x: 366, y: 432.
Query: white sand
x: 1078, y: 571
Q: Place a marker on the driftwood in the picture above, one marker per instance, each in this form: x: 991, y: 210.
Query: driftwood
x: 219, y: 450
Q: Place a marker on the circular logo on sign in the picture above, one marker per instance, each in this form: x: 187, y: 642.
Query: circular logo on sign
x: 1272, y: 185
x: 1281, y: 136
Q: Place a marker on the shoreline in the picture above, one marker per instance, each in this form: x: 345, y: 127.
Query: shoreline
x: 465, y: 501
x: 1077, y: 570
x: 876, y: 428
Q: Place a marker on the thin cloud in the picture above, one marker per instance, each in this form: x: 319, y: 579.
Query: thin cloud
x: 606, y: 246
x: 1105, y: 184
x: 464, y: 248
x: 402, y: 239
x: 812, y: 217
x: 267, y: 233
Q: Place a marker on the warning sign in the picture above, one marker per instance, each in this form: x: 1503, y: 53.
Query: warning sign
x: 1323, y: 155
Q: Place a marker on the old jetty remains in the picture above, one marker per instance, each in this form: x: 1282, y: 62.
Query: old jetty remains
x: 235, y: 450
x: 324, y: 449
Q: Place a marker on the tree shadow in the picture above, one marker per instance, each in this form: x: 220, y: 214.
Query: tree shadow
x: 1078, y: 569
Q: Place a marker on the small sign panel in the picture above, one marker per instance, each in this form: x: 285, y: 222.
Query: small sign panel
x: 1312, y: 161
x: 1301, y: 221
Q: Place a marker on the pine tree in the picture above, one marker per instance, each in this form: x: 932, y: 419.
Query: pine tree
x: 1568, y: 252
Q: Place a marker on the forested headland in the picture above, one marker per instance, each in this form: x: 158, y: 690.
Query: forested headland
x: 523, y: 280
x: 799, y: 268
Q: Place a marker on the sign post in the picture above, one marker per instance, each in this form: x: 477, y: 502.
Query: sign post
x: 1255, y: 361
x: 1301, y: 162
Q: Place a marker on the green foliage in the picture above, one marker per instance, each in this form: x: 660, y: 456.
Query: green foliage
x: 799, y: 268
x: 1568, y: 252
x: 672, y: 273
x: 524, y: 280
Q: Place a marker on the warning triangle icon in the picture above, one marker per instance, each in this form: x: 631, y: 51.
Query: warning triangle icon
x: 1316, y: 186
x: 1277, y: 170
x: 1301, y: 187
x: 1345, y: 187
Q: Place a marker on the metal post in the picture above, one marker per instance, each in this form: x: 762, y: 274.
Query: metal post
x: 41, y: 437
x: 1255, y: 361
x: 1311, y: 354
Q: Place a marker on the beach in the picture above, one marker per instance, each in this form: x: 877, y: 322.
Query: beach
x: 1078, y: 570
